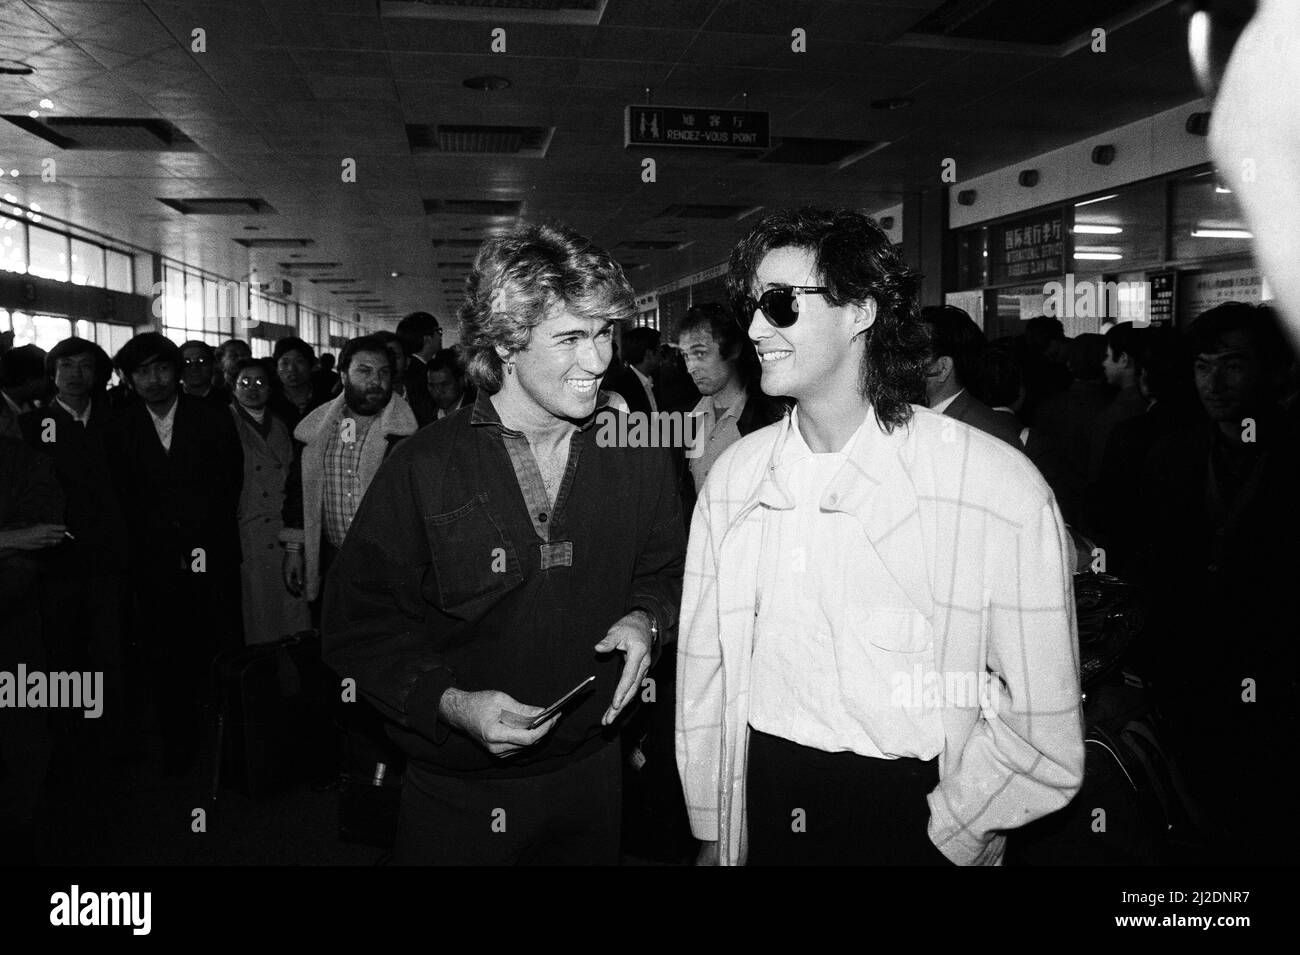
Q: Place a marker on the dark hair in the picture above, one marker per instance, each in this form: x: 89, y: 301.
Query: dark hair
x: 73, y: 346
x: 1042, y: 331
x: 732, y: 343
x: 221, y: 349
x: 519, y: 278
x: 327, y: 361
x: 637, y: 342
x: 414, y: 327
x: 444, y: 359
x: 1257, y: 321
x: 146, y: 347
x: 267, y: 366
x: 208, y: 353
x: 370, y: 343
x: 21, y: 365
x: 1000, y: 377
x: 392, y: 338
x: 1126, y: 338
x: 856, y: 261
x: 1168, y: 365
x: 293, y: 343
x: 1084, y: 354
x: 954, y: 334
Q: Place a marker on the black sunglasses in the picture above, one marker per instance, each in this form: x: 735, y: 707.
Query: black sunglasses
x: 780, y: 306
x: 1213, y: 28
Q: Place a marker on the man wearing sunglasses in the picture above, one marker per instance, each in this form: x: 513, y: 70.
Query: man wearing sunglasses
x: 878, y: 656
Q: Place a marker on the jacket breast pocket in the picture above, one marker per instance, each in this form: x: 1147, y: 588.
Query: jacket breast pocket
x: 898, y: 631
x: 473, y: 561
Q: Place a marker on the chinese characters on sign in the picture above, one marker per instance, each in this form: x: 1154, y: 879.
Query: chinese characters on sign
x: 1027, y: 248
x: 695, y: 127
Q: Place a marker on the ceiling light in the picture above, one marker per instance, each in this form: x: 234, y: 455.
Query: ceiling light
x: 34, y: 113
x: 1099, y: 256
x: 36, y: 207
x: 1088, y: 202
x: 47, y: 104
x: 394, y: 274
x: 1222, y: 234
x: 1097, y: 230
x: 14, y: 173
x: 487, y: 83
x: 10, y: 197
x: 1223, y: 190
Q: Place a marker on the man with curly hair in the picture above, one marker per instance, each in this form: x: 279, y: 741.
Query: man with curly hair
x: 503, y: 556
x: 877, y: 659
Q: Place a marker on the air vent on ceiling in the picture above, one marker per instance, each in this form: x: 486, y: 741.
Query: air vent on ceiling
x: 308, y: 266
x: 220, y: 207
x: 523, y: 141
x: 453, y: 244
x: 809, y: 151
x: 698, y: 210
x: 1030, y: 26
x: 276, y: 243
x: 651, y: 245
x: 473, y: 207
x: 333, y: 281
x: 118, y: 134
x: 579, y: 12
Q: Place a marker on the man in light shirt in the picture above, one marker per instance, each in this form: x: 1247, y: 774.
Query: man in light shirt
x: 879, y: 660
x: 724, y: 366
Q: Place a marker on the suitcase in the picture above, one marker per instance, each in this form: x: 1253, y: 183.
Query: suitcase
x: 273, y: 726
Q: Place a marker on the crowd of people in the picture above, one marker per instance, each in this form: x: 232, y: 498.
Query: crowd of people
x: 906, y: 493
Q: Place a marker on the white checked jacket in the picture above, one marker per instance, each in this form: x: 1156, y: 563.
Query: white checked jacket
x: 973, y: 536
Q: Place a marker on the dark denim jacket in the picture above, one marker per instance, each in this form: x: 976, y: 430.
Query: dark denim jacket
x: 441, y: 583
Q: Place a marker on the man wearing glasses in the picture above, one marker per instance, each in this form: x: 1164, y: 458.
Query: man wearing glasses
x: 197, y: 361
x: 878, y: 658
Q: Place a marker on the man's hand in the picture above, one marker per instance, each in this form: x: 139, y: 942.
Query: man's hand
x: 631, y: 634
x: 708, y: 854
x: 495, y: 720
x: 293, y: 568
x: 35, y: 537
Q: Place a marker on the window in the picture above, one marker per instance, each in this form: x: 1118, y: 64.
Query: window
x: 43, y: 331
x: 1206, y: 221
x: 13, y: 246
x: 87, y: 263
x: 118, y: 272
x: 49, y: 254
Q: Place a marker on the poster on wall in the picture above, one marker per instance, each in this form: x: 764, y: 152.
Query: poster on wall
x: 1162, y: 297
x: 972, y: 303
x: 1028, y: 248
x: 1204, y: 290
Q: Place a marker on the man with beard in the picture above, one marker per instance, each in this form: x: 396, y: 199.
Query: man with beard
x: 338, y: 449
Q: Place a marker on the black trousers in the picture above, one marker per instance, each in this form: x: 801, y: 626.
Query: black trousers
x: 568, y: 817
x: 808, y: 807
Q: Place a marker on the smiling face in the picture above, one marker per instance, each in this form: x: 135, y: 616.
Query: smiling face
x: 817, y: 355
x: 560, y: 369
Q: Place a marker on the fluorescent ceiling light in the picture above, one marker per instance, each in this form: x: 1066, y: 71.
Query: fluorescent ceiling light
x: 1099, y: 256
x: 1088, y: 202
x: 1223, y: 190
x: 1097, y: 230
x: 1222, y: 234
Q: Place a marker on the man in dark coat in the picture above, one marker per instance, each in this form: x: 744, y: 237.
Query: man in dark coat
x: 177, y: 468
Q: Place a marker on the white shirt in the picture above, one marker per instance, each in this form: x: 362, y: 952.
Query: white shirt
x: 164, y: 424
x: 82, y: 417
x: 942, y: 406
x: 648, y: 385
x: 818, y: 678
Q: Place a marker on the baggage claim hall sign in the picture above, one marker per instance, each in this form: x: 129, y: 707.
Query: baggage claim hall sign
x: 695, y: 128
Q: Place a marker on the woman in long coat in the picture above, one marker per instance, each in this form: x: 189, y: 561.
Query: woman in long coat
x: 270, y: 612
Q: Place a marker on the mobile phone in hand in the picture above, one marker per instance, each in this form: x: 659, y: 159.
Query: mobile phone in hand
x: 551, y: 710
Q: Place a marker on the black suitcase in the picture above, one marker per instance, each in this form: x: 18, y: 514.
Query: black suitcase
x: 272, y: 716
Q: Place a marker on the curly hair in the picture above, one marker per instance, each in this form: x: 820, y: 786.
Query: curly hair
x: 856, y: 261
x: 519, y: 278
